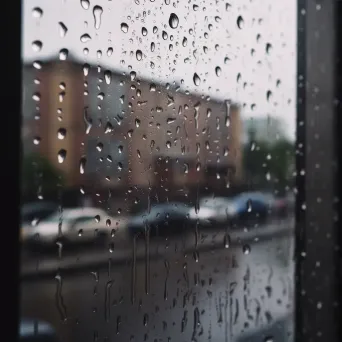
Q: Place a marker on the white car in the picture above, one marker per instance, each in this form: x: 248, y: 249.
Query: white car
x: 212, y: 210
x: 78, y: 225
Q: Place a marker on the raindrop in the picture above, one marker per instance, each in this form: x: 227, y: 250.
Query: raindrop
x: 86, y: 67
x: 99, y: 146
x: 61, y: 133
x: 80, y: 232
x: 152, y: 87
x: 165, y: 35
x: 85, y: 38
x: 61, y: 156
x: 108, y: 76
x: 185, y: 41
x: 109, y: 51
x: 269, y: 339
x: 196, y: 79
x: 37, y: 45
x: 218, y: 71
x: 195, y: 7
x: 85, y: 4
x: 37, y: 12
x: 133, y: 75
x: 97, y: 13
x: 138, y: 55
x: 37, y: 140
x: 63, y: 54
x: 246, y: 249
x: 36, y: 97
x: 173, y: 21
x: 186, y: 168
x: 168, y: 144
x: 137, y: 123
x: 124, y: 27
x: 155, y: 29
x: 109, y: 223
x: 269, y: 95
x: 120, y: 148
x: 144, y: 31
x: 83, y: 161
x: 153, y: 46
x: 63, y: 30
x: 37, y: 65
x: 268, y: 48
x: 97, y: 218
x: 240, y: 22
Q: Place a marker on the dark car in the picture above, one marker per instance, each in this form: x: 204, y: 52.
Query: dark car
x: 161, y: 219
x: 250, y: 207
x: 37, y: 211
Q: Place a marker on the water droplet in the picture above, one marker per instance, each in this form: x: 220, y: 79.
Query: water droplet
x: 269, y: 339
x: 37, y: 140
x: 124, y: 27
x: 85, y: 38
x: 36, y: 97
x: 246, y: 249
x: 108, y: 222
x: 133, y: 75
x: 165, y: 35
x: 97, y: 13
x: 144, y: 31
x: 196, y: 79
x: 61, y: 133
x: 173, y: 21
x: 63, y: 30
x: 37, y: 12
x: 153, y: 46
x: 37, y: 65
x: 99, y: 146
x: 85, y: 4
x: 240, y: 22
x: 109, y: 51
x: 168, y: 144
x: 226, y: 240
x: 268, y: 48
x: 138, y: 54
x: 63, y: 54
x: 218, y: 71
x: 37, y: 45
x: 108, y: 76
x: 61, y: 156
x: 83, y: 162
x: 269, y: 95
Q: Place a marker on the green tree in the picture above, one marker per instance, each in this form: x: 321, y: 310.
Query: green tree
x: 268, y: 165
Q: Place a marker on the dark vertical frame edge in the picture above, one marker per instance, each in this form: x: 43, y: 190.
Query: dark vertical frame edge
x: 318, y: 237
x: 11, y: 95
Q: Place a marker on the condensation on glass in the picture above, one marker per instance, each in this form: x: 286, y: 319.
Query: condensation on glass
x: 158, y: 169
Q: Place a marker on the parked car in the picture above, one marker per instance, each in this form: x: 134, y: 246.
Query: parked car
x: 78, y: 225
x: 37, y: 211
x: 212, y: 211
x: 250, y: 207
x: 161, y: 219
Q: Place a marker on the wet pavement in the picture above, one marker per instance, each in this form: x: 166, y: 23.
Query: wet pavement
x: 168, y: 290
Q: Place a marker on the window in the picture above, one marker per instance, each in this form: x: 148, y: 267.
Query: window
x: 189, y: 117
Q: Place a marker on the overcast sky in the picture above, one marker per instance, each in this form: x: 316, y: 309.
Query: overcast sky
x: 258, y: 37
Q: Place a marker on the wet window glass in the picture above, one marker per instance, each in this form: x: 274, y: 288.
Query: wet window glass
x: 158, y: 169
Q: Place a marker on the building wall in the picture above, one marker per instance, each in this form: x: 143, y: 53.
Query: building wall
x: 166, y: 138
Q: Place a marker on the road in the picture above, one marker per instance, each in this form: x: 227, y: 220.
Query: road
x: 174, y: 290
